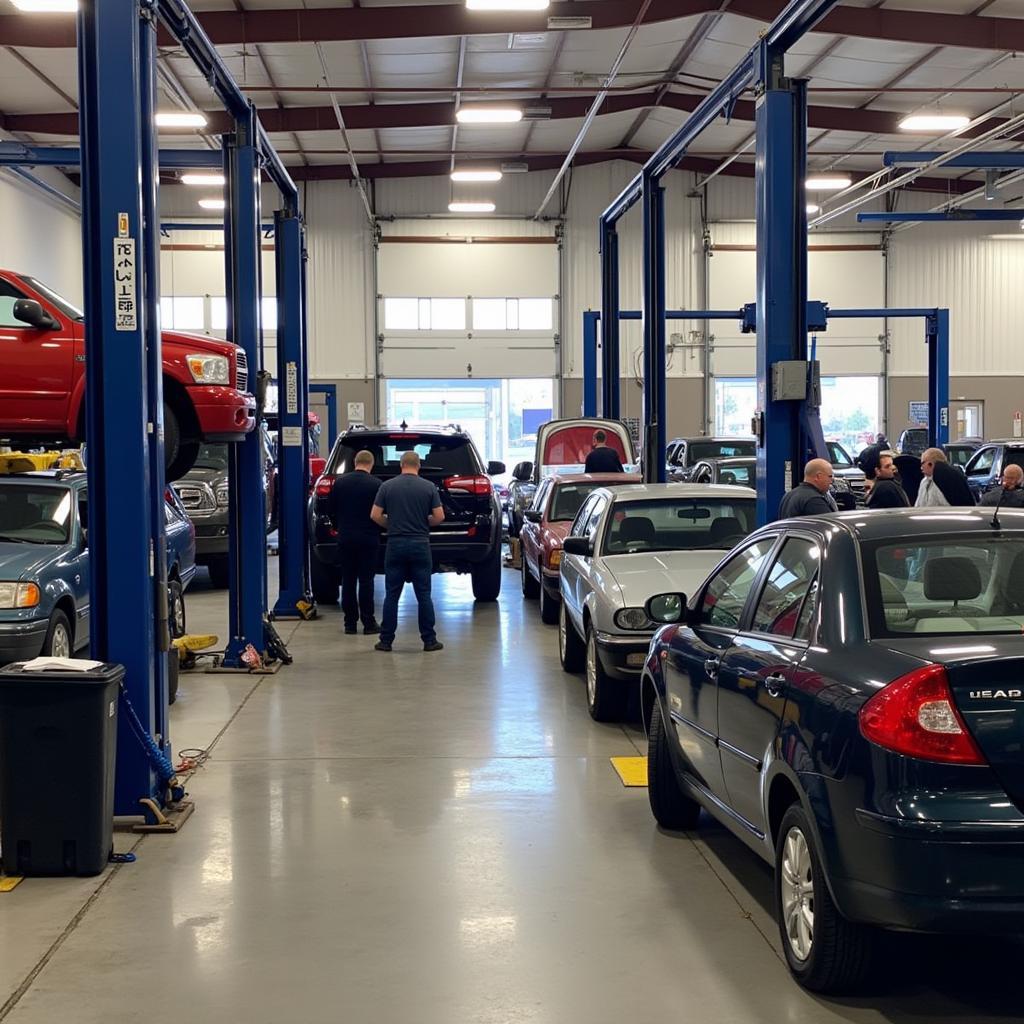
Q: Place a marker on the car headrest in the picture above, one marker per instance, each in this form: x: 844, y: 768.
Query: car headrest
x: 634, y: 529
x: 951, y: 578
x: 724, y: 527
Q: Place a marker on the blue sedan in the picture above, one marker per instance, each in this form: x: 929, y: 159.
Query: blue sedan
x: 845, y: 694
x: 44, y: 564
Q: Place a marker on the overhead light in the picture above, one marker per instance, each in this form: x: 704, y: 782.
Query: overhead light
x: 214, y: 180
x: 828, y: 183
x: 471, y: 207
x: 812, y: 208
x: 515, y: 167
x: 507, y: 5
x: 1009, y: 238
x: 180, y: 119
x: 213, y: 204
x: 47, y: 6
x: 476, y: 175
x: 934, y: 122
x: 477, y: 114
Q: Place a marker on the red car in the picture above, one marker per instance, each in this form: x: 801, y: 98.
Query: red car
x: 545, y: 526
x: 42, y: 387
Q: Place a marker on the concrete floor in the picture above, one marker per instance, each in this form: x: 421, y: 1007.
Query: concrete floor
x: 433, y: 838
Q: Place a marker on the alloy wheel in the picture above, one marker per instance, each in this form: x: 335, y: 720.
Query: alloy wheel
x: 797, y: 889
x: 591, y: 668
x: 60, y: 643
x: 561, y: 632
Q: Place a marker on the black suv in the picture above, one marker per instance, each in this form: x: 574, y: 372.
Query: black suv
x: 469, y: 539
x: 987, y: 464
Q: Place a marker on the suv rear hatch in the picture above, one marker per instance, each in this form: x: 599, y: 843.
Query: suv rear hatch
x: 563, y: 445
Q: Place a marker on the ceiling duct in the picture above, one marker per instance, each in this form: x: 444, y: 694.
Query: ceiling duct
x: 565, y: 24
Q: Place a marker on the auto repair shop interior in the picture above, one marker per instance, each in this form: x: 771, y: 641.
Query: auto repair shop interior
x: 666, y: 752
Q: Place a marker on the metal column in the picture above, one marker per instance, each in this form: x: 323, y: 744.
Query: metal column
x: 590, y: 321
x: 610, y: 391
x: 780, y: 171
x: 938, y: 377
x: 247, y: 520
x: 654, y: 330
x: 293, y: 415
x: 122, y: 543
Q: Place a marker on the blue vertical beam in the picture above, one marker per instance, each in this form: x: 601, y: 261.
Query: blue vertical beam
x: 653, y: 429
x: 247, y: 538
x: 590, y: 321
x: 937, y: 337
x: 293, y: 413
x: 780, y: 171
x: 120, y: 524
x: 610, y: 389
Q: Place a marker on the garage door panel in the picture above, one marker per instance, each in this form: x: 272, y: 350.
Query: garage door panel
x: 402, y: 361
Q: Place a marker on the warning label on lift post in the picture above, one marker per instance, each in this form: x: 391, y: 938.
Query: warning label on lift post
x: 126, y: 312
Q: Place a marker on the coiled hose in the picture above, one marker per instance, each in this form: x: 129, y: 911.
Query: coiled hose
x: 159, y: 761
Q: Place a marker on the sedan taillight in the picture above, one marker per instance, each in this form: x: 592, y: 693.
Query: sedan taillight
x: 468, y: 484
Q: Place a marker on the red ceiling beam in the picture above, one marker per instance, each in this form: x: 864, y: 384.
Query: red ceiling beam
x: 436, y: 20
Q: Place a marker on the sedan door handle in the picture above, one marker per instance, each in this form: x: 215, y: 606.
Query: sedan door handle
x: 774, y: 683
x: 711, y: 666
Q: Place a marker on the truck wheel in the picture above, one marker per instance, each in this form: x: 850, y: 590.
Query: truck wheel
x: 324, y: 581
x: 179, y: 456
x: 219, y: 572
x: 58, y: 642
x: 487, y: 577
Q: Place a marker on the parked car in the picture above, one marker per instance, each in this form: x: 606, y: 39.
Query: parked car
x: 469, y: 539
x: 44, y: 564
x: 959, y: 452
x: 843, y: 694
x: 683, y: 453
x: 743, y: 472
x: 545, y: 527
x: 42, y: 391
x: 562, y: 447
x: 625, y: 545
x: 986, y: 465
x: 913, y: 441
x: 844, y: 468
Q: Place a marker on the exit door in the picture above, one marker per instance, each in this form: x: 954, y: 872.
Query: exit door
x: 968, y: 419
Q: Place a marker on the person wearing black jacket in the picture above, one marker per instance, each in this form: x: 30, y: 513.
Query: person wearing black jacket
x: 885, y: 491
x: 1011, y: 493
x: 810, y: 498
x: 602, y: 459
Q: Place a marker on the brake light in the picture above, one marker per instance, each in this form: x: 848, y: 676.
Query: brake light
x: 323, y: 486
x: 468, y: 484
x: 915, y: 715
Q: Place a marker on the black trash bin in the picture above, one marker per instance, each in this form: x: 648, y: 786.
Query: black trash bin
x: 58, y: 740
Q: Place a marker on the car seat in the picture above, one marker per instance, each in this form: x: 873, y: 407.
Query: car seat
x: 725, y: 531
x: 633, y: 532
x: 952, y: 578
x: 727, y: 478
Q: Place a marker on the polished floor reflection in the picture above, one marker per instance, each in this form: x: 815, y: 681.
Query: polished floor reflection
x: 434, y: 839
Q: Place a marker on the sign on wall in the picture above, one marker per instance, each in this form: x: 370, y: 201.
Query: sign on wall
x: 356, y: 412
x: 919, y: 413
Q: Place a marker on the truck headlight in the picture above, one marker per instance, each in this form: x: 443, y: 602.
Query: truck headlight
x: 208, y: 369
x: 222, y: 496
x: 632, y: 618
x: 19, y: 595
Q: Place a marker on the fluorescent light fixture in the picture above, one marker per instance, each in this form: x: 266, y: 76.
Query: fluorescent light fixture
x: 213, y: 204
x: 812, y: 208
x: 477, y: 114
x: 47, y: 6
x: 828, y: 183
x: 476, y: 175
x: 180, y: 119
x: 1019, y: 237
x: 507, y: 5
x: 213, y: 180
x: 934, y: 122
x: 471, y: 207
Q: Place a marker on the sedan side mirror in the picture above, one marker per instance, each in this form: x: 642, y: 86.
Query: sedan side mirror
x: 533, y: 515
x: 30, y: 312
x: 666, y: 609
x: 495, y: 468
x: 578, y: 546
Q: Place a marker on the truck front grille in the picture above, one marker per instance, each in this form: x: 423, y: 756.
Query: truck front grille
x: 241, y: 370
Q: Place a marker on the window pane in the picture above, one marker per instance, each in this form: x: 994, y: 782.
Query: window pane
x: 219, y: 313
x: 401, y: 314
x: 447, y: 314
x: 535, y: 314
x: 489, y: 315
x: 778, y: 608
x: 735, y: 404
x: 728, y: 591
x: 512, y: 314
x: 166, y: 312
x: 424, y: 315
x: 269, y: 310
x: 850, y: 410
x: 189, y: 314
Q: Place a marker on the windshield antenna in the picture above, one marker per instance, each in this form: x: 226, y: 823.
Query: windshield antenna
x: 995, y: 524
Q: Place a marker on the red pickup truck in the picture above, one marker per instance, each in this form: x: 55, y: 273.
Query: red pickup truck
x: 42, y: 378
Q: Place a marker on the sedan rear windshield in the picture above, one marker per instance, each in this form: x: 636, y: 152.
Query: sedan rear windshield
x: 568, y: 498
x: 678, y: 524
x: 697, y: 451
x: 439, y: 456
x: 35, y: 515
x: 964, y: 584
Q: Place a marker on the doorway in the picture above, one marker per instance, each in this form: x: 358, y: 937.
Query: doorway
x: 967, y: 418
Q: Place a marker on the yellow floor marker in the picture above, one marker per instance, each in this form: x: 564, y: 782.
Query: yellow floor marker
x: 631, y: 770
x: 9, y: 882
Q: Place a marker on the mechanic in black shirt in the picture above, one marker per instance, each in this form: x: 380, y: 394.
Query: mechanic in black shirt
x: 885, y: 491
x: 351, y: 501
x: 602, y: 459
x: 810, y: 498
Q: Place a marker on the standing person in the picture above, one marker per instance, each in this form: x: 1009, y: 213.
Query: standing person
x: 407, y: 507
x: 601, y: 458
x: 351, y: 501
x: 1011, y: 494
x: 810, y: 498
x: 928, y: 494
x: 885, y: 491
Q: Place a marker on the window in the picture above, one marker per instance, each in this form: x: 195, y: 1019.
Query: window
x: 582, y: 520
x: 183, y: 312
x: 541, y: 496
x: 401, y: 314
x: 37, y: 515
x: 594, y: 517
x: 740, y: 474
x: 218, y: 313
x: 568, y: 499
x: 9, y: 295
x: 71, y: 311
x: 696, y: 451
x: 983, y: 462
x: 782, y: 600
x: 729, y: 589
x: 441, y: 456
x: 512, y: 314
x: 838, y: 456
x: 268, y: 312
x: 678, y: 524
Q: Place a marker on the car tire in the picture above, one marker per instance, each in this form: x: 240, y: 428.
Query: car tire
x: 173, y: 668
x: 549, y: 607
x: 531, y: 588
x: 825, y: 952
x: 176, y: 620
x: 671, y: 806
x: 571, y: 651
x: 487, y: 576
x: 220, y: 574
x: 606, y: 697
x: 59, y: 642
x: 324, y: 581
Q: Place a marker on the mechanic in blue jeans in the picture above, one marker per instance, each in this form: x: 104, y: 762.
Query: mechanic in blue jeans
x: 407, y: 506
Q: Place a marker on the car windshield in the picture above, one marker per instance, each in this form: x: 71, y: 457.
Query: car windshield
x: 72, y: 312
x: 441, y: 456
x: 212, y: 456
x: 959, y: 455
x: 35, y: 514
x: 964, y: 584
x: 837, y: 455
x: 678, y: 524
x: 696, y: 451
x: 568, y: 498
x: 742, y: 474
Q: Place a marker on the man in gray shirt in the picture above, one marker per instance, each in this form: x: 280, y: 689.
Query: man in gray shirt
x: 407, y: 507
